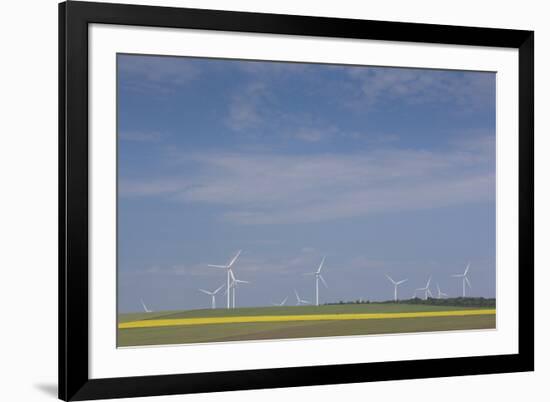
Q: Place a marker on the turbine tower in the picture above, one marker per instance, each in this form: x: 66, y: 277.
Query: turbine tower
x: 318, y: 277
x: 465, y: 280
x: 425, y: 289
x: 229, y: 272
x: 440, y: 294
x: 212, y: 294
x: 298, y: 300
x: 145, y: 307
x: 395, y: 285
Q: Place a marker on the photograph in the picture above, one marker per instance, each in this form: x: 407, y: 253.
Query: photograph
x: 268, y: 200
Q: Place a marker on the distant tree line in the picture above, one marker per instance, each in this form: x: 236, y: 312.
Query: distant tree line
x: 454, y: 301
x: 450, y: 301
x: 348, y: 302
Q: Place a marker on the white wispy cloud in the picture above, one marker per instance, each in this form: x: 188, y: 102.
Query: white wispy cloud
x: 140, y: 136
x: 255, y: 111
x: 258, y: 109
x: 277, y: 189
x: 245, y: 107
x: 160, y: 74
x: 311, y: 134
x: 273, y: 70
x: 419, y: 86
x: 150, y: 187
x: 248, y: 266
x: 350, y: 204
x: 200, y: 269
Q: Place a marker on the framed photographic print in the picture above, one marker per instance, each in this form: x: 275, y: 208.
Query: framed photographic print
x: 257, y: 200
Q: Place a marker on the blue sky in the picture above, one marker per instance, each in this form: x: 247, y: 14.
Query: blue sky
x: 381, y: 170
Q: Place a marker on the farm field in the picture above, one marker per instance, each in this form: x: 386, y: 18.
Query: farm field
x: 222, y: 325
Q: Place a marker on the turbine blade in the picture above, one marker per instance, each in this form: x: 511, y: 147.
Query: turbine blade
x: 400, y: 282
x: 234, y: 258
x: 218, y: 266
x: 322, y: 280
x: 321, y: 265
x: 218, y: 289
x: 467, y: 268
x: 206, y: 292
x: 390, y: 279
x: 284, y: 301
x: 297, y: 297
x: 429, y: 280
x: 145, y: 307
x: 457, y: 275
x: 232, y: 275
x: 468, y: 282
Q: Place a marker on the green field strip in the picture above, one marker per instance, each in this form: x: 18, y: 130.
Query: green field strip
x: 299, y: 317
x: 189, y: 334
x: 284, y: 310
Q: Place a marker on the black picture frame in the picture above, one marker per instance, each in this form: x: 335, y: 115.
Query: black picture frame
x: 74, y: 18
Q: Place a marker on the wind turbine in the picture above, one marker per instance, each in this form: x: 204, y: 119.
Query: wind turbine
x: 145, y: 307
x: 213, y: 294
x: 233, y: 286
x: 281, y: 303
x: 465, y: 280
x: 440, y: 294
x: 229, y: 272
x: 426, y: 289
x: 395, y: 285
x: 318, y: 277
x: 298, y: 300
